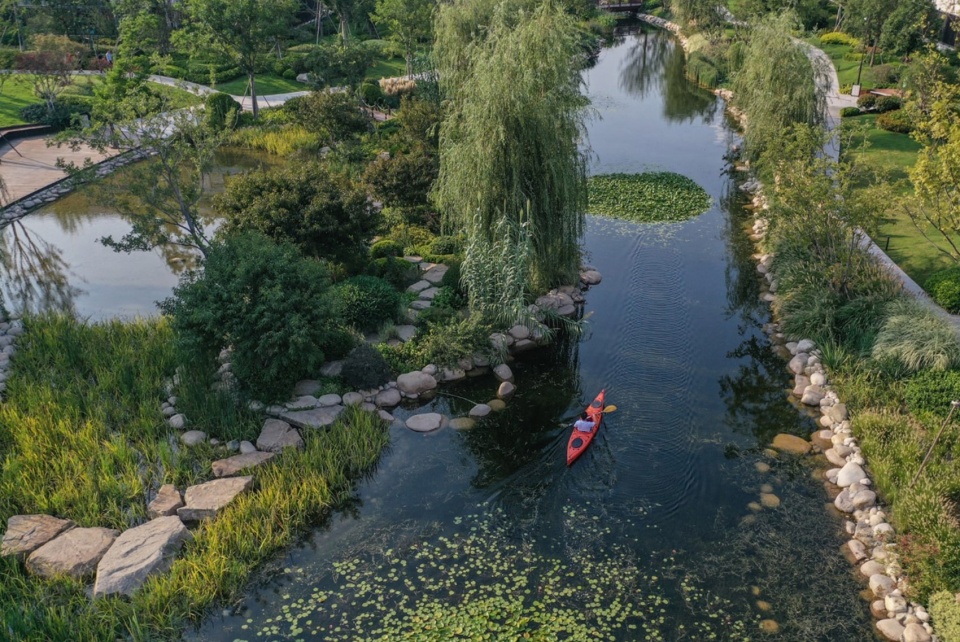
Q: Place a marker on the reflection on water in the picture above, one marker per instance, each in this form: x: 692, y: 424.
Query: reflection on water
x: 649, y: 534
x: 53, y: 258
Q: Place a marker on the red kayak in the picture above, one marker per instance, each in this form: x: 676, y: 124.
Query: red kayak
x: 579, y: 440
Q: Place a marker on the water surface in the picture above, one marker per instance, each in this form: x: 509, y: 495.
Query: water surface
x: 649, y: 535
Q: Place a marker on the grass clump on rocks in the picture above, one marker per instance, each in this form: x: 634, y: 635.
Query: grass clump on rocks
x: 651, y: 197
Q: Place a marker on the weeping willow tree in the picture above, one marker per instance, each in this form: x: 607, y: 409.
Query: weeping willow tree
x: 512, y: 174
x: 779, y: 84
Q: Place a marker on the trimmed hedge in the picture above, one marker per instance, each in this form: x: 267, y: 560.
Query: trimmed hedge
x: 944, y: 287
x: 839, y: 38
x: 385, y: 248
x: 888, y: 103
x: 848, y: 112
x: 365, y: 302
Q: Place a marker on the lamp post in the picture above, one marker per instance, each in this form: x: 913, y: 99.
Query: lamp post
x: 855, y: 90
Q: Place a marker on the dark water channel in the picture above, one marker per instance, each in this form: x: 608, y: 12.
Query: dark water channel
x: 649, y: 535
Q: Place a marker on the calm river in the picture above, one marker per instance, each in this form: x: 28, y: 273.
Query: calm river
x: 649, y: 535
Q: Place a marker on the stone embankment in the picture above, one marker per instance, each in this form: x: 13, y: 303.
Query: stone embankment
x: 872, y: 546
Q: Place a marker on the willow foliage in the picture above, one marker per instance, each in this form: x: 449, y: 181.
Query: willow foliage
x: 509, y: 146
x: 779, y: 84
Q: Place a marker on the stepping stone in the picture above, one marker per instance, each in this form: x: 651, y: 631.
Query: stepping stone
x: 277, y: 435
x: 420, y: 304
x: 205, y: 500
x: 506, y: 390
x: 406, y: 332
x: 462, y: 423
x: 330, y: 400
x: 74, y: 553
x: 791, y: 444
x: 480, y: 410
x: 306, y: 387
x: 352, y: 399
x: 503, y: 372
x: 416, y: 382
x: 316, y: 418
x: 414, y: 259
x: 497, y: 405
x: 426, y: 422
x: 232, y: 465
x: 388, y: 398
x: 138, y: 553
x: 419, y: 287
x: 429, y: 294
x: 27, y: 533
x: 302, y: 403
x: 435, y: 274
x: 166, y: 502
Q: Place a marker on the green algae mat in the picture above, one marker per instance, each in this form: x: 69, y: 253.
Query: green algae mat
x: 650, y: 197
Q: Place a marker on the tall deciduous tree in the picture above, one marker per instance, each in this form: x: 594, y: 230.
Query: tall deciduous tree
x: 242, y: 30
x: 159, y: 196
x: 865, y: 19
x: 409, y: 23
x: 50, y: 64
x: 910, y: 24
x: 778, y: 85
x: 512, y: 172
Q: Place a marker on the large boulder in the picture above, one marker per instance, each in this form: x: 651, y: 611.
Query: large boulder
x: 791, y: 444
x: 406, y: 332
x: 27, y: 533
x: 387, y: 398
x: 416, y: 382
x: 316, y: 418
x: 277, y: 435
x: 166, y: 502
x: 203, y: 501
x: 425, y: 422
x: 890, y: 629
x: 74, y: 553
x: 232, y: 465
x: 503, y: 373
x: 137, y: 554
x: 590, y: 277
x: 851, y: 473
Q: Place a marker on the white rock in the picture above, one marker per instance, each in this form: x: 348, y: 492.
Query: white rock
x: 797, y: 364
x: 503, y: 372
x: 812, y: 396
x: 895, y: 604
x: 915, y: 632
x: 890, y: 629
x: 352, y: 399
x: 329, y: 400
x: 416, y: 382
x: 246, y: 448
x: 387, y: 398
x: 177, y: 422
x: 193, y: 437
x: 506, y: 390
x: 849, y: 474
x: 277, y: 435
x: 480, y: 410
x: 870, y: 568
x: 519, y: 332
x: 425, y: 422
x: 805, y: 345
x: 881, y: 585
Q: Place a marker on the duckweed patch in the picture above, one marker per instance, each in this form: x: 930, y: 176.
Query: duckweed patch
x: 650, y: 197
x: 484, y: 582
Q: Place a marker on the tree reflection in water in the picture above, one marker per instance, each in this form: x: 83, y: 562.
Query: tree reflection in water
x: 656, y: 63
x: 33, y: 274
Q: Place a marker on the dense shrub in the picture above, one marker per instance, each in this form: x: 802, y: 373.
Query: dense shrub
x: 895, y: 121
x: 398, y: 272
x: 847, y: 112
x: 888, y: 103
x: 404, y: 179
x: 410, y: 236
x: 944, y: 287
x: 221, y: 111
x: 371, y: 93
x: 365, y: 368
x: 451, y: 279
x: 703, y: 71
x: 867, y: 101
x: 886, y: 75
x: 446, y: 245
x: 335, y: 117
x: 60, y: 117
x: 932, y: 391
x: 946, y: 613
x: 385, y: 248
x: 263, y: 299
x: 289, y: 74
x: 324, y: 214
x: 443, y: 344
x: 917, y: 338
x: 839, y: 38
x: 365, y: 302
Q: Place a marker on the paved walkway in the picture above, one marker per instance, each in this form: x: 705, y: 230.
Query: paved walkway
x: 29, y: 165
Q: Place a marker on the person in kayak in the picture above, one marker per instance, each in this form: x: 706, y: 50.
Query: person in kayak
x: 583, y: 424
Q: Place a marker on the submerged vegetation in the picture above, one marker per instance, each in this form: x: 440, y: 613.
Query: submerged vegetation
x: 650, y: 197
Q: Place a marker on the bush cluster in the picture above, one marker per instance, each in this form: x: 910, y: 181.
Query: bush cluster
x: 365, y: 302
x: 944, y: 287
x: 385, y: 248
x: 221, y: 111
x: 867, y: 101
x: 839, y: 38
x: 895, y: 121
x: 888, y: 103
x: 847, y: 112
x: 365, y: 368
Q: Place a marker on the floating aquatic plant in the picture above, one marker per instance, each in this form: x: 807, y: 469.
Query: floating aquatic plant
x: 648, y: 197
x: 483, y: 582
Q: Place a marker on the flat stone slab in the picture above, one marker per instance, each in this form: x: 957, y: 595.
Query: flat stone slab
x: 330, y: 400
x: 503, y: 372
x: 420, y: 305
x: 316, y: 418
x: 480, y: 410
x: 406, y: 332
x: 203, y: 501
x: 166, y: 502
x: 27, y: 533
x: 74, y: 553
x: 304, y: 402
x: 462, y: 423
x: 435, y: 274
x: 426, y: 422
x: 233, y: 465
x: 429, y: 294
x: 419, y: 286
x: 306, y: 387
x: 791, y: 444
x: 137, y: 554
x: 277, y: 435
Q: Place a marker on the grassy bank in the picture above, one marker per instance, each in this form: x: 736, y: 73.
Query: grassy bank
x: 81, y: 437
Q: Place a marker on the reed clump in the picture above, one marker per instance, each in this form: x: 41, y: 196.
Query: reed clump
x: 81, y: 437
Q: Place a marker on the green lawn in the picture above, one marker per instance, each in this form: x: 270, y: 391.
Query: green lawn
x: 900, y: 238
x: 266, y: 84
x: 387, y: 68
x: 847, y: 69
